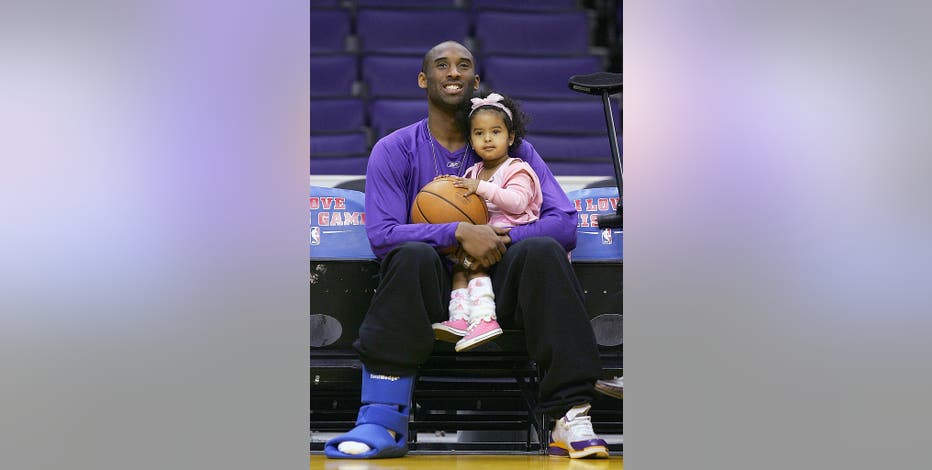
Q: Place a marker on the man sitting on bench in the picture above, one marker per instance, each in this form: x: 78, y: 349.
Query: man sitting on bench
x: 533, y: 282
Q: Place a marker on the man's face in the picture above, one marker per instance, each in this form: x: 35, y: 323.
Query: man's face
x: 450, y: 75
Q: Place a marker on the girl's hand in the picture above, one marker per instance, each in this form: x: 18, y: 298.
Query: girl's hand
x: 470, y: 184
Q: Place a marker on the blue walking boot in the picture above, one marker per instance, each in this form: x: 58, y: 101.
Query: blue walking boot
x: 386, y: 406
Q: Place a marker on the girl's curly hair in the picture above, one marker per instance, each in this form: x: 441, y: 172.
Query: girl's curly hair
x: 516, y: 126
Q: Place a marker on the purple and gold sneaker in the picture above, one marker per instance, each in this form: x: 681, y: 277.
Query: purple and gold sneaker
x: 573, y: 437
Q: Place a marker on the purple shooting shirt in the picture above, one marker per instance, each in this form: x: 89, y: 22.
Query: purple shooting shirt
x: 403, y: 162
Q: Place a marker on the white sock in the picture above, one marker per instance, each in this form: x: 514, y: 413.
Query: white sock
x: 481, y: 286
x: 459, y: 304
x: 355, y: 448
x: 482, y: 299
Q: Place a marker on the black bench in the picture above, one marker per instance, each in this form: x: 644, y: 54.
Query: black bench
x: 491, y: 388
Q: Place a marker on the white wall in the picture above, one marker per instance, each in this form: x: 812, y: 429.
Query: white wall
x: 568, y: 183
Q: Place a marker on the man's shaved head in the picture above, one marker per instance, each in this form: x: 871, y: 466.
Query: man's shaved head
x: 448, y: 73
x: 439, y: 49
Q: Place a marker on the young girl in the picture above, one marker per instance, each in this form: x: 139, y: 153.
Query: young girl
x: 512, y: 191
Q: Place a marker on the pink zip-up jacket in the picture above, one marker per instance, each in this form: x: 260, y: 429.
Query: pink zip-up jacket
x: 513, y: 193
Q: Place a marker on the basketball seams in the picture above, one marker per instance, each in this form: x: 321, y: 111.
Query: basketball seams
x: 451, y: 203
x: 438, y: 210
x: 417, y: 205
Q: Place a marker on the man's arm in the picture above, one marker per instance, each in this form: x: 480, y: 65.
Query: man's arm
x: 388, y: 203
x: 557, y: 213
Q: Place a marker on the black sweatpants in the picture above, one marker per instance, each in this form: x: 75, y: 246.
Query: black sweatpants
x: 535, y: 289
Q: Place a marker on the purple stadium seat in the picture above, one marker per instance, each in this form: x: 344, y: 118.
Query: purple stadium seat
x: 524, y: 5
x: 344, y: 165
x: 329, y: 29
x: 389, y: 115
x: 571, y: 168
x: 407, y: 3
x: 549, y: 75
x: 339, y: 154
x: 332, y: 75
x: 409, y: 31
x: 573, y: 147
x: 532, y: 33
x: 392, y: 76
x: 336, y: 115
x: 325, y: 145
x: 325, y: 3
x: 574, y: 154
x: 568, y: 117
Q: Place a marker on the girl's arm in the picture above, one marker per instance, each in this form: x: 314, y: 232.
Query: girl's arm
x: 514, y: 197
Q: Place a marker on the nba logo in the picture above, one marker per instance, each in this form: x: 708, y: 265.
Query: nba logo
x: 315, y: 235
x: 606, y: 236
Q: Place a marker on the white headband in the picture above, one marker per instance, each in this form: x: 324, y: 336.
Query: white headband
x: 494, y: 100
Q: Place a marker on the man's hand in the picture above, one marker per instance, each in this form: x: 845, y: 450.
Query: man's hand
x: 470, y: 184
x: 504, y: 235
x: 483, y: 244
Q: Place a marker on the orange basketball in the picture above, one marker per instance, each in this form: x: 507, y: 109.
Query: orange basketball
x: 439, y: 202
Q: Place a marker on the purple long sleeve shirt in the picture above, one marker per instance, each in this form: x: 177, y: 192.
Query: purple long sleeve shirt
x: 404, y: 161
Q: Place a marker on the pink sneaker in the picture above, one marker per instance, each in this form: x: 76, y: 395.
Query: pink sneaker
x: 479, y: 332
x: 482, y: 324
x: 455, y: 328
x: 451, y: 330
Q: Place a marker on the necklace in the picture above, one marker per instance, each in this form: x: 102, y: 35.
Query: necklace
x: 433, y: 151
x: 494, y: 170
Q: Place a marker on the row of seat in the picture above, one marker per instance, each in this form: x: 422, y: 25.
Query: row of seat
x: 413, y: 31
x: 571, y: 136
x: 336, y: 115
x: 536, y: 5
x: 390, y: 76
x: 365, y: 62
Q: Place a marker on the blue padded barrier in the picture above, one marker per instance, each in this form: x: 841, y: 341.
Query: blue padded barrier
x: 337, y: 225
x: 338, y: 229
x: 593, y: 243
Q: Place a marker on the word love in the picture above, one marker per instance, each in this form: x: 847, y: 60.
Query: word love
x: 584, y: 207
x: 334, y: 213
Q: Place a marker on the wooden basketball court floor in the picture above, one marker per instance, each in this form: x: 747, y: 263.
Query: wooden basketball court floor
x: 469, y: 462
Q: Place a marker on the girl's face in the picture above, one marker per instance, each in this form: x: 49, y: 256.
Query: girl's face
x: 489, y: 136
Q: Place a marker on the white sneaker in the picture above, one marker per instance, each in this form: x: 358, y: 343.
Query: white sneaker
x: 573, y: 437
x: 613, y: 388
